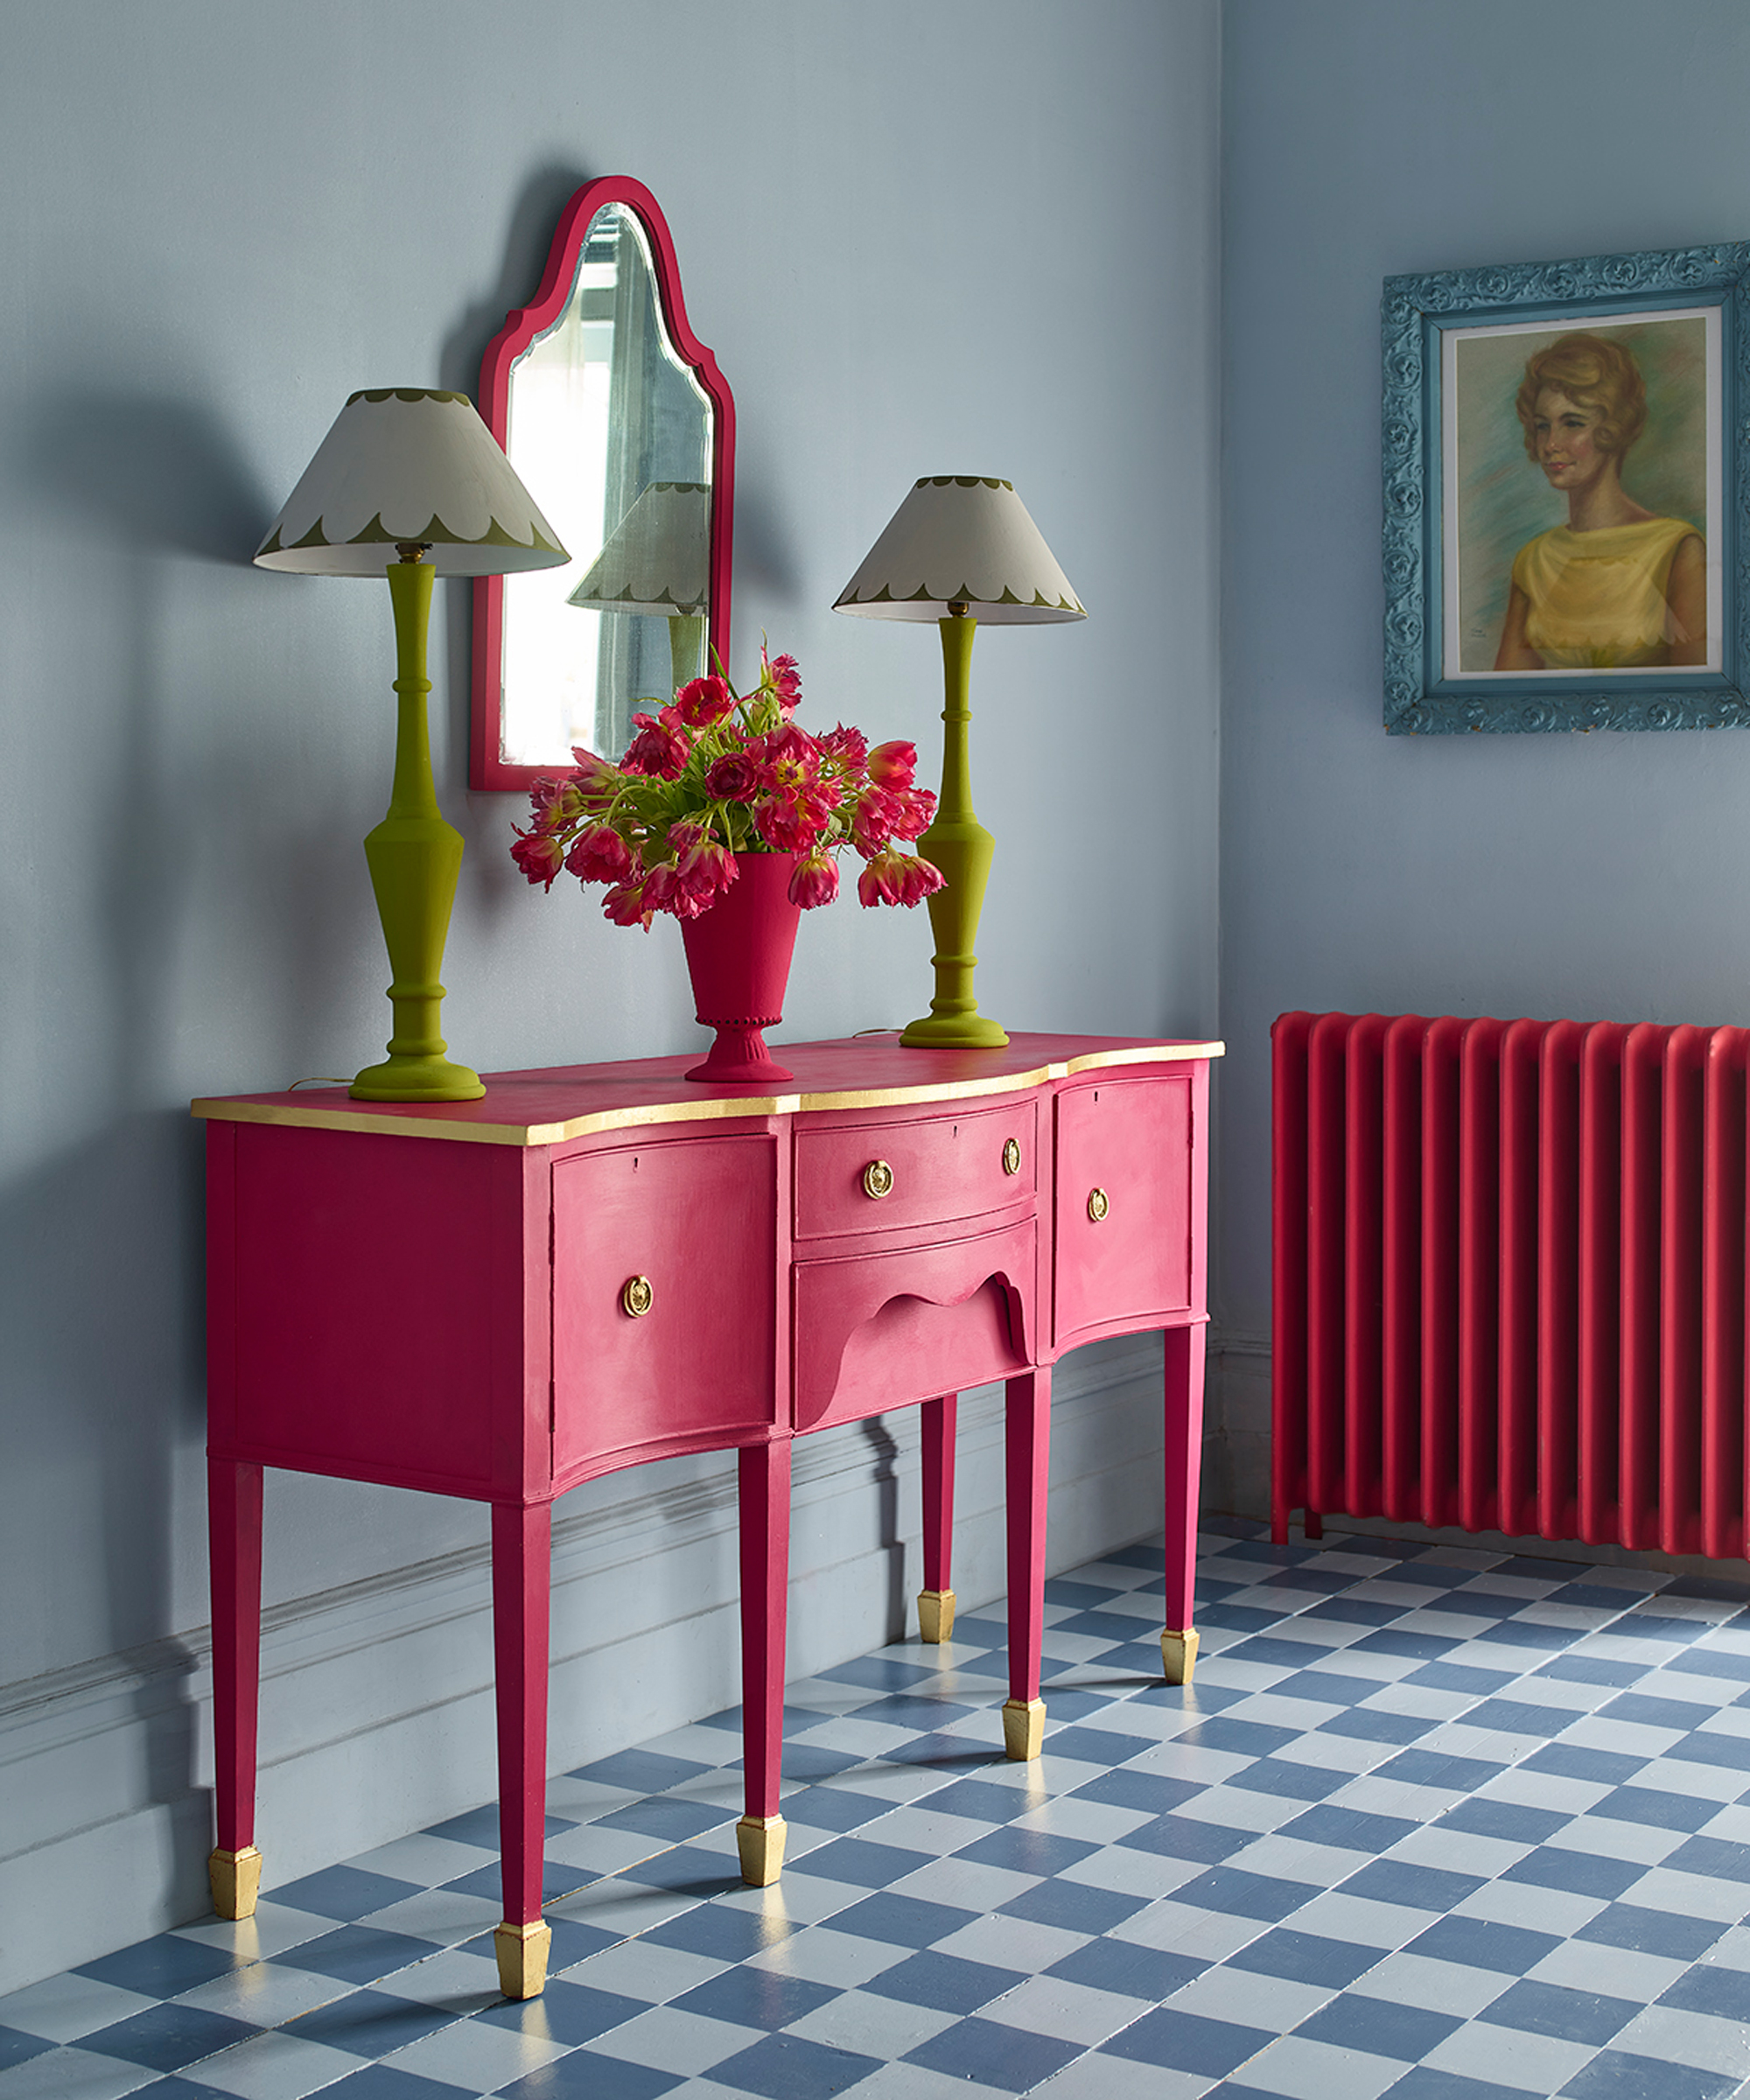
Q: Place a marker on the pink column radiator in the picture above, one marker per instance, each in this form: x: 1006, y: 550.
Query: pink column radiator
x: 1510, y: 1276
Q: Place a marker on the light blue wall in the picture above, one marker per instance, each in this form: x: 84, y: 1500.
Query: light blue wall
x: 978, y: 236
x: 1601, y: 877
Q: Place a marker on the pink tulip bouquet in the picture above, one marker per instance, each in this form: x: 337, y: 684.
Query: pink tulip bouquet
x: 719, y: 774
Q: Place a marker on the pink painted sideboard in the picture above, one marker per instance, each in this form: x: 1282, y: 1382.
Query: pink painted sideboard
x: 602, y: 1264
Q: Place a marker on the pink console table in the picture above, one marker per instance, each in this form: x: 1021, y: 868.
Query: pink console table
x: 605, y: 1264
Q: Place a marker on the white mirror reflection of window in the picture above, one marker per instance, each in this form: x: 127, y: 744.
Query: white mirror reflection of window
x: 601, y: 410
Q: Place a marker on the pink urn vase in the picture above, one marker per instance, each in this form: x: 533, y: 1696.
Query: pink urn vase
x: 739, y: 956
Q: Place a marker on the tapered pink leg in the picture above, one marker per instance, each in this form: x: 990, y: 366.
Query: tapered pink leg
x: 935, y: 1600
x: 1028, y: 1435
x: 234, y: 1518
x: 522, y: 1562
x: 1184, y: 1395
x: 765, y: 1490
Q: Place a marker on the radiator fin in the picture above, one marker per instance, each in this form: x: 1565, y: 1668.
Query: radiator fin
x: 1509, y: 1270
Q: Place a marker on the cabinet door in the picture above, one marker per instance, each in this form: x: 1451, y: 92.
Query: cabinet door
x: 689, y: 1357
x: 1124, y: 1204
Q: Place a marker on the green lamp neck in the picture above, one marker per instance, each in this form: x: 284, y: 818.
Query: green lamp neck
x: 957, y: 633
x: 409, y: 589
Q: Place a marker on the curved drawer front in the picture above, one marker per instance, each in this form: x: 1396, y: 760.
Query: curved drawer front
x: 885, y: 1330
x: 664, y: 1308
x: 1124, y: 1203
x: 935, y: 1169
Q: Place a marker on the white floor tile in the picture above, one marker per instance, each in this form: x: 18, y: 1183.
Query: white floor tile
x: 1049, y: 2005
x: 822, y: 1956
x: 1094, y: 2077
x: 1335, y: 1916
x: 882, y: 2027
x: 264, y: 1993
x: 1673, y: 2036
x: 1016, y: 1943
x: 1536, y: 2064
x: 1691, y: 1895
x: 479, y: 2055
x: 671, y: 2040
x: 1415, y: 1979
x: 641, y: 1969
x: 1248, y: 1999
x: 72, y: 2074
x: 1303, y: 2069
x: 61, y: 2008
x: 275, y: 2066
x: 1557, y: 1910
x: 1612, y: 1972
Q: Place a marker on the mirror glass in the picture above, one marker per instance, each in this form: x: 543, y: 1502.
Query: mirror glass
x: 611, y: 432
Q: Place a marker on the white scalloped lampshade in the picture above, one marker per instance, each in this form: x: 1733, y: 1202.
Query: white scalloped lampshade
x: 657, y: 559
x: 405, y: 464
x: 961, y: 539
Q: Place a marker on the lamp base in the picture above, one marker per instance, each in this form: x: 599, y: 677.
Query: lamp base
x: 416, y: 1079
x: 954, y: 1032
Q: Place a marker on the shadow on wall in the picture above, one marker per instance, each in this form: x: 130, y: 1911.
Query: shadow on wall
x: 101, y: 1307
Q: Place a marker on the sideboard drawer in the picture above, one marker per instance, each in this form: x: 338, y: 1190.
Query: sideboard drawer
x: 664, y: 1312
x: 936, y: 1169
x: 1124, y: 1203
x: 877, y: 1331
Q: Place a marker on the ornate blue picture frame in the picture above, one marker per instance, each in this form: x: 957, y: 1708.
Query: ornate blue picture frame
x: 1486, y: 626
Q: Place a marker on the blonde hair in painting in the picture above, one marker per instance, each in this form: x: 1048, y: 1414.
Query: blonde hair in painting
x: 1593, y: 373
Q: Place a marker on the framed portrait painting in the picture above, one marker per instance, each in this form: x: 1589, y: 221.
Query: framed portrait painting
x: 1566, y: 493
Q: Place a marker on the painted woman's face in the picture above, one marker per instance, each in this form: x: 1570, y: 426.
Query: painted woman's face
x: 1568, y: 449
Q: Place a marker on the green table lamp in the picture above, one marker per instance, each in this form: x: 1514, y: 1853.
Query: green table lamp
x: 961, y: 549
x: 410, y: 484
x: 657, y: 561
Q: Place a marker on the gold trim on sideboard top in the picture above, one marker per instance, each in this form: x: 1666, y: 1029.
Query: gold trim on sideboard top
x: 708, y: 1108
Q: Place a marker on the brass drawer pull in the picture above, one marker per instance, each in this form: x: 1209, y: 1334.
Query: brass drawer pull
x: 1012, y: 1158
x: 635, y: 1295
x: 878, y: 1178
x: 1098, y: 1205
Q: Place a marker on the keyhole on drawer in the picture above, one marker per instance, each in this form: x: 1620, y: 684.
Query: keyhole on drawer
x: 878, y: 1178
x: 635, y: 1295
x: 1098, y: 1205
x: 1012, y: 1158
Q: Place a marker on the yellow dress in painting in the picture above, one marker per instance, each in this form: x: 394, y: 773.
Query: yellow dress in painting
x: 1597, y: 600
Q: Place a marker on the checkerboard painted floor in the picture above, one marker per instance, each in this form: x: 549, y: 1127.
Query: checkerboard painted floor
x: 1438, y: 1824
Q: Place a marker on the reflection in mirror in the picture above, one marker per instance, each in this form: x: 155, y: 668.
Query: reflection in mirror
x: 609, y: 427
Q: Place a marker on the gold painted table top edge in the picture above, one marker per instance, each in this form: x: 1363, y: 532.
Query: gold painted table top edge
x: 710, y: 1107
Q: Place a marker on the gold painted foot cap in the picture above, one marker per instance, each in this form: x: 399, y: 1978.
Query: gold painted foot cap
x: 1178, y: 1655
x: 760, y: 1840
x: 236, y: 1880
x: 935, y: 1615
x: 1023, y: 1728
x: 521, y: 1951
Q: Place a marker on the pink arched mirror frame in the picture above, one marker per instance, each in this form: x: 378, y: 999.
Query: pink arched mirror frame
x: 487, y: 768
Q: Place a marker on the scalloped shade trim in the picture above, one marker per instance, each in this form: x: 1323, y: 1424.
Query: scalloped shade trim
x: 961, y: 538
x: 657, y: 559
x: 406, y: 463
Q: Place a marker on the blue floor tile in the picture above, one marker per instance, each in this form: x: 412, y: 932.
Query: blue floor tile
x: 384, y: 2082
x: 1348, y: 1830
x: 1511, y: 1820
x: 1187, y: 2042
x: 357, y: 1954
x: 1613, y: 2074
x: 345, y: 1893
x: 1008, y: 2058
x: 166, y: 2038
x: 584, y: 2076
x: 1233, y: 1891
x: 785, y: 2067
x: 902, y: 1921
x: 943, y: 1982
x: 479, y: 1826
x: 860, y: 1861
x: 1188, y: 1838
x: 368, y: 2023
x: 16, y: 2047
x: 1416, y: 1888
x: 1128, y: 1968
x: 1484, y: 1943
x: 1027, y: 1851
x: 724, y: 1935
x: 667, y: 1817
x: 1305, y: 1957
x: 1072, y: 1907
x: 1380, y: 2027
x: 1712, y: 1987
x: 1651, y: 1932
x: 755, y: 1998
x: 163, y: 1967
x: 1554, y: 2009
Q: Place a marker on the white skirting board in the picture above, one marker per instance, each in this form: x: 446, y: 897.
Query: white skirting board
x: 376, y: 1698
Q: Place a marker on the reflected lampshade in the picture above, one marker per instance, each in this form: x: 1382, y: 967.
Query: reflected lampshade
x: 962, y: 540
x: 657, y: 559
x: 406, y: 464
